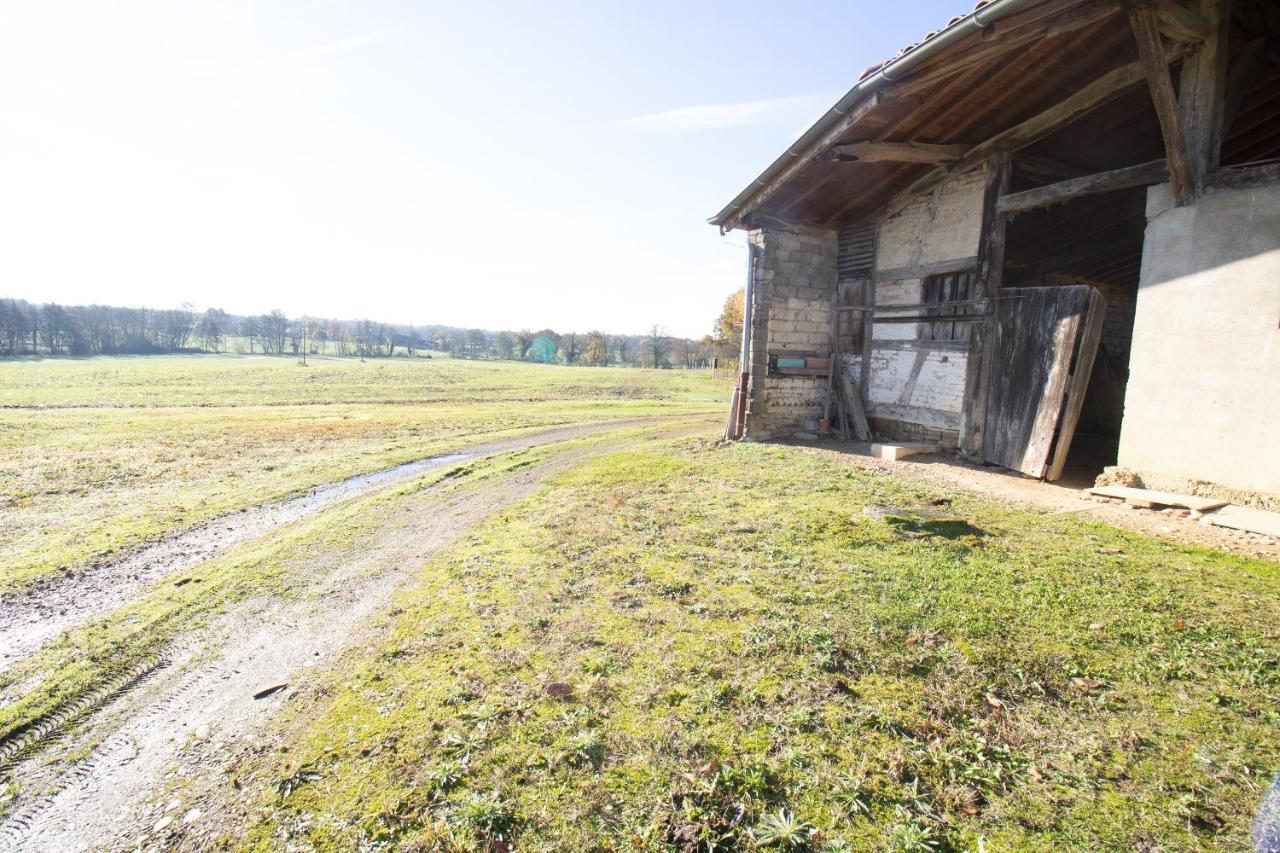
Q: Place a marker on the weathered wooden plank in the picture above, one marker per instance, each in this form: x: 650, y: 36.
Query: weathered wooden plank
x: 881, y: 319
x: 1243, y: 177
x: 1036, y: 455
x: 1247, y: 518
x: 854, y: 408
x: 900, y: 152
x: 1144, y: 174
x: 924, y: 270
x: 1002, y: 43
x: 1179, y: 23
x: 916, y: 345
x: 1159, y: 498
x: 1081, y: 371
x: 1106, y: 87
x: 986, y: 285
x: 1156, y: 70
x: 805, y: 157
x: 1202, y: 92
x: 1033, y: 344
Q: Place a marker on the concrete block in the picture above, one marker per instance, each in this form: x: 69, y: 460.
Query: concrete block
x: 901, y: 450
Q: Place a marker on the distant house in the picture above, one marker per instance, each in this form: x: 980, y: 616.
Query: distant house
x: 1047, y: 235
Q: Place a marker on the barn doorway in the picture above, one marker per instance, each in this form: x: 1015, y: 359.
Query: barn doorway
x: 1094, y: 241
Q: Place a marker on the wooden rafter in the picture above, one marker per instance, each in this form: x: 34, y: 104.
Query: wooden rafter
x: 1179, y: 23
x: 900, y: 152
x: 803, y: 158
x: 1146, y: 32
x: 1202, y: 94
x: 1097, y: 92
x: 1004, y: 42
x: 1142, y: 175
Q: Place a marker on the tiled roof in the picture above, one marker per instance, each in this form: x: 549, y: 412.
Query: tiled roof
x: 872, y: 69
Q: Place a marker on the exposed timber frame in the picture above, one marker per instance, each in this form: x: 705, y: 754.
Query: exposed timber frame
x: 1203, y: 92
x: 1092, y: 95
x: 1191, y: 121
x: 1146, y: 31
x: 898, y: 152
x: 1178, y: 23
x: 987, y: 283
x: 1142, y: 175
x: 827, y: 139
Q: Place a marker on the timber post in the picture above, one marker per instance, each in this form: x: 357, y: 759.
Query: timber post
x: 987, y: 281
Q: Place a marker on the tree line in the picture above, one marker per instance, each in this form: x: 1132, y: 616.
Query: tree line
x: 81, y: 330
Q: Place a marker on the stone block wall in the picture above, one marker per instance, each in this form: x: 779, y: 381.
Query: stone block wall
x: 793, y: 289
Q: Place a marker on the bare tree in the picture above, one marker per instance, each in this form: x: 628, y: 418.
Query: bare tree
x: 658, y: 345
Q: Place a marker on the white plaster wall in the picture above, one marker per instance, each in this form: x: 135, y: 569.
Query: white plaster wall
x: 1203, y: 400
x: 940, y: 227
x: 919, y: 386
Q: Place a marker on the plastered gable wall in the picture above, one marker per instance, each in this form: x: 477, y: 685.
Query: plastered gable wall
x: 793, y: 286
x: 1202, y: 408
x: 915, y: 388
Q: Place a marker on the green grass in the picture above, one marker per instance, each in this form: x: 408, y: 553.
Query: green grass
x: 274, y: 566
x: 259, y: 380
x: 684, y: 647
x: 98, y: 455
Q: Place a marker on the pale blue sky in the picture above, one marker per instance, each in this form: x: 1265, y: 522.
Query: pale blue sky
x: 503, y: 165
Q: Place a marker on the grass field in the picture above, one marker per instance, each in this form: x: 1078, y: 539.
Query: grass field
x: 672, y: 645
x: 690, y: 647
x: 97, y: 455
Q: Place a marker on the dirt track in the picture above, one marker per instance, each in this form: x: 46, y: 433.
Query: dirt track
x: 29, y: 620
x: 196, y: 711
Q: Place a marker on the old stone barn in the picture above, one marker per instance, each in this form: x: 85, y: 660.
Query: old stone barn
x: 1047, y: 235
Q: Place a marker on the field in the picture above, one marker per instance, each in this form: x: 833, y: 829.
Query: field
x: 97, y: 455
x: 617, y: 636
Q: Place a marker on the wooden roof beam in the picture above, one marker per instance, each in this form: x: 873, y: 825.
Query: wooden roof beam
x: 1203, y: 94
x: 1003, y: 40
x: 899, y: 152
x: 1146, y: 32
x: 1142, y: 175
x: 803, y: 159
x: 1093, y: 94
x: 1179, y: 23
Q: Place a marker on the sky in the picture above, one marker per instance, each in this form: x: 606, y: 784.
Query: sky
x: 478, y: 164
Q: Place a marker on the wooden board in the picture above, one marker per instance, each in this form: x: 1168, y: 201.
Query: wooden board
x: 1037, y: 337
x: 1078, y: 385
x: 854, y: 408
x: 1245, y: 518
x: 1150, y: 496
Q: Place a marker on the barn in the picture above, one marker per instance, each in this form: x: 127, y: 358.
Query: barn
x: 1048, y: 237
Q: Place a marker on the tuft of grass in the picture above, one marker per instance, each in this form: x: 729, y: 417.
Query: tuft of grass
x: 742, y: 659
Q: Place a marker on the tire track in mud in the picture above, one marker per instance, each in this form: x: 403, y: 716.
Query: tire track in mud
x: 142, y: 727
x: 30, y: 619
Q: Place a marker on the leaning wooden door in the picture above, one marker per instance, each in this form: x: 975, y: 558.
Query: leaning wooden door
x: 1044, y: 344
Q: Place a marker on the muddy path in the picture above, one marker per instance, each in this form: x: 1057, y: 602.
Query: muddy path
x: 30, y: 619
x: 196, y: 716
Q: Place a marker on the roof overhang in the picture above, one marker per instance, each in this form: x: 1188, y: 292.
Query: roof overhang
x: 960, y: 35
